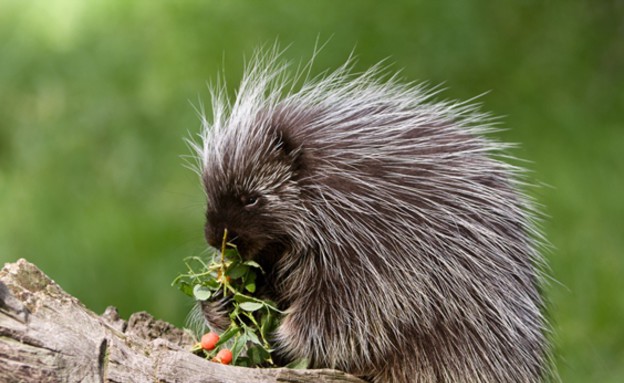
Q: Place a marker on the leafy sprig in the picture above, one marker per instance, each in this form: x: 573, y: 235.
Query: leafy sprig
x: 252, y: 319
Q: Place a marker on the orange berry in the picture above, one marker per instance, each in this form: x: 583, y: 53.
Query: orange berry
x: 209, y: 340
x: 224, y: 356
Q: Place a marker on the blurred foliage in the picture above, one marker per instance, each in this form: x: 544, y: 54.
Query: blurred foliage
x: 97, y: 96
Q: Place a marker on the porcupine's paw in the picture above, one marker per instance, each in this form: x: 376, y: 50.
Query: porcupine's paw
x: 215, y: 313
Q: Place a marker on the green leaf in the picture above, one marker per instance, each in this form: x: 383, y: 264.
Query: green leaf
x: 228, y: 334
x: 240, y: 298
x: 251, y: 306
x: 237, y: 347
x: 252, y: 336
x: 268, y: 323
x: 299, y: 364
x: 185, y: 287
x: 231, y: 253
x: 201, y: 293
x: 255, y: 355
x: 212, y: 283
x: 253, y: 264
x: 237, y: 270
x: 251, y: 287
x: 243, y: 361
x: 250, y: 281
x: 271, y: 306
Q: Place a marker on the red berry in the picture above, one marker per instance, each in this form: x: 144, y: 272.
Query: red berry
x: 209, y: 340
x: 224, y: 356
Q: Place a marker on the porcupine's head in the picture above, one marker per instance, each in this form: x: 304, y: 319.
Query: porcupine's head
x: 250, y: 170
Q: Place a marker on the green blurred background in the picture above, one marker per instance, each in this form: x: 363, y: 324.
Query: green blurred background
x: 97, y: 96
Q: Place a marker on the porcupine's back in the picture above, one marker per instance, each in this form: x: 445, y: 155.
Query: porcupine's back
x: 402, y: 246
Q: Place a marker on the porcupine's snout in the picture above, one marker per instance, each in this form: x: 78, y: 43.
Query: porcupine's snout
x: 214, y: 235
x: 245, y: 239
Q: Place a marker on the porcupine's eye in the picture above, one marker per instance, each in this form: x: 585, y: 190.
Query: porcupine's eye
x: 250, y: 201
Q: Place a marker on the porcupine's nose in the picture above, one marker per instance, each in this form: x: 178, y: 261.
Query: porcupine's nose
x: 210, y: 237
x: 214, y: 236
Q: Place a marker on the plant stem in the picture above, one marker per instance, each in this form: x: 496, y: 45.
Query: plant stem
x: 223, y: 277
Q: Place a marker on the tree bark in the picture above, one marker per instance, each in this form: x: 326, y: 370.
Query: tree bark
x: 46, y: 335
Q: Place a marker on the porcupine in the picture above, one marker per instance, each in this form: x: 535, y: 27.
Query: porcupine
x: 395, y: 234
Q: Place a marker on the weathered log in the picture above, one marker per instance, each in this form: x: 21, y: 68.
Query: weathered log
x: 46, y: 335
